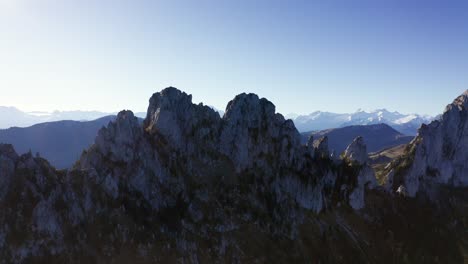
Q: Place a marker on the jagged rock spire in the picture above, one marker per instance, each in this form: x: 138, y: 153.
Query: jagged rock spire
x: 117, y: 140
x: 251, y: 128
x: 172, y: 115
x: 321, y: 147
x: 437, y: 155
x: 356, y: 151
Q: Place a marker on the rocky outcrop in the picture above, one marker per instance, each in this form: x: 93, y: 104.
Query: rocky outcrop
x: 172, y: 116
x: 356, y: 151
x: 184, y: 173
x: 437, y: 155
x: 356, y: 159
x: 124, y: 158
x: 321, y: 148
x: 253, y: 133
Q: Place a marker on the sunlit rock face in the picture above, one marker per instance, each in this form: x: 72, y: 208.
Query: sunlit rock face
x: 438, y: 155
x: 321, y: 148
x: 182, y: 148
x: 260, y: 141
x: 30, y: 221
x: 357, y: 151
x: 123, y: 157
x: 118, y: 140
x: 356, y: 157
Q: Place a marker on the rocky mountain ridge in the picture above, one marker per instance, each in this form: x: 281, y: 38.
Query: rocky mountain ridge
x: 438, y: 155
x: 190, y: 186
x: 171, y: 165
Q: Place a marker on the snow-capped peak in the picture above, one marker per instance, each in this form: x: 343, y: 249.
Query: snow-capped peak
x: 405, y: 123
x: 406, y: 119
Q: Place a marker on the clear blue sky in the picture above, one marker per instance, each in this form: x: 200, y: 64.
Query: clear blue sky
x: 410, y: 56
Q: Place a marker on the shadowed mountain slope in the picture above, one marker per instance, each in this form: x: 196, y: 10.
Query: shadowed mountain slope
x: 377, y: 137
x: 60, y: 142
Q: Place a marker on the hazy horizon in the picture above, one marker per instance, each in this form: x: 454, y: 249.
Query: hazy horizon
x: 107, y: 56
x: 356, y: 110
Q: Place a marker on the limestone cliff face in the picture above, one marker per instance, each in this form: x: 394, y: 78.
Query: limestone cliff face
x: 190, y: 186
x: 356, y: 151
x: 252, y: 132
x: 438, y: 155
x: 29, y: 192
x: 172, y: 115
x: 185, y: 172
x: 356, y: 155
x: 181, y: 143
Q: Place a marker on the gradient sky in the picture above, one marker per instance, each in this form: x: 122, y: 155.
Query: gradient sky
x: 108, y: 55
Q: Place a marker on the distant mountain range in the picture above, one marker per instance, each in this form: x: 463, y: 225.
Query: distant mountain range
x: 13, y: 117
x: 60, y: 142
x: 407, y: 124
x: 377, y: 137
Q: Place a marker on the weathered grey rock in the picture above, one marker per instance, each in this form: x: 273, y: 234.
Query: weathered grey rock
x: 172, y: 115
x: 437, y: 155
x: 184, y: 169
x: 31, y: 191
x: 356, y: 151
x: 355, y: 156
x: 365, y: 180
x: 119, y: 139
x: 255, y: 138
x: 321, y: 147
x: 252, y: 131
x: 124, y: 156
x: 8, y: 159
